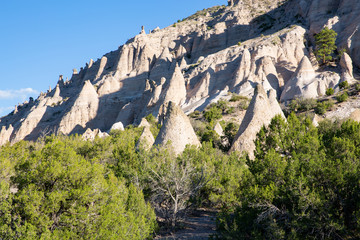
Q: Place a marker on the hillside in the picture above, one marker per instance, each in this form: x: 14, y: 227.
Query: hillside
x: 194, y: 62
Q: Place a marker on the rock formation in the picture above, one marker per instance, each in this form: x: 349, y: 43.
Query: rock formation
x: 144, y: 123
x: 5, y: 134
x: 146, y: 139
x: 117, y: 126
x: 83, y: 110
x: 218, y: 129
x: 90, y: 135
x: 176, y: 90
x: 259, y: 113
x: 176, y: 130
x: 347, y: 68
x: 203, y: 58
x: 297, y: 86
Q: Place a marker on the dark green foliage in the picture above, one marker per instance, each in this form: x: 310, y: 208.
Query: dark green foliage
x: 303, y: 184
x: 357, y: 87
x: 344, y: 85
x: 325, y: 44
x: 230, y: 131
x: 342, y: 97
x: 329, y: 91
x: 154, y: 125
x: 210, y: 136
x: 301, y: 104
x: 61, y: 195
x: 243, y: 101
x: 322, y: 107
x: 195, y: 114
x: 214, y: 113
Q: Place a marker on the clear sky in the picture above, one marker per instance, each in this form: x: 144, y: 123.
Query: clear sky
x: 41, y: 39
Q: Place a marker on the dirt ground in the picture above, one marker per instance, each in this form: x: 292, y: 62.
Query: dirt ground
x: 198, y: 226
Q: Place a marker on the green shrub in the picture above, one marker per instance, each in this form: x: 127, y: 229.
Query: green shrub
x: 235, y: 97
x: 357, y: 87
x: 343, y: 85
x: 213, y: 113
x: 329, y: 91
x: 342, y: 97
x: 322, y: 107
x: 61, y: 195
x: 195, y: 114
x: 302, y: 104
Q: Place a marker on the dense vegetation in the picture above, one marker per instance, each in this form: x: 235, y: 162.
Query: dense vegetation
x: 304, y: 183
x: 67, y: 188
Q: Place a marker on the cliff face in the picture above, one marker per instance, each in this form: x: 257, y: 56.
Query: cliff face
x: 192, y: 63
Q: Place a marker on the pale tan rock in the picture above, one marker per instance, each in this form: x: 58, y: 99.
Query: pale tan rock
x: 217, y: 63
x: 90, y: 135
x: 176, y: 90
x: 243, y: 71
x: 316, y: 119
x: 146, y: 139
x: 296, y: 87
x: 355, y: 115
x: 117, y: 126
x: 176, y: 130
x: 30, y: 122
x: 219, y: 130
x: 5, y: 134
x: 259, y: 113
x: 144, y: 123
x: 347, y: 68
x: 103, y: 63
x: 84, y: 109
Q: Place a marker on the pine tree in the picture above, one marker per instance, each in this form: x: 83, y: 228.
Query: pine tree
x: 325, y: 44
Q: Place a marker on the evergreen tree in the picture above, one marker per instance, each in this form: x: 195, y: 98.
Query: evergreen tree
x: 325, y: 44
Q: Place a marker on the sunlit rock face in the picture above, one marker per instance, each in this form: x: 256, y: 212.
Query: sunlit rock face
x: 196, y: 62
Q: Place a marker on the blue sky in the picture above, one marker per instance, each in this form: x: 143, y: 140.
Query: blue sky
x: 41, y: 39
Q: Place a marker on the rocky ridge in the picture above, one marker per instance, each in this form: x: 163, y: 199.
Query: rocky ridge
x: 196, y: 62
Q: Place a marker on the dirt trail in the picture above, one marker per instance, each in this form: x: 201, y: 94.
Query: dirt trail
x: 199, y: 226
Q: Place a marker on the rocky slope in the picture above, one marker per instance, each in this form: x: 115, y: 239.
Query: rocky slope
x: 195, y: 62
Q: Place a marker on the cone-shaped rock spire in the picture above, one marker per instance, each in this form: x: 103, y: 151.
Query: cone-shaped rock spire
x: 176, y: 129
x: 260, y: 112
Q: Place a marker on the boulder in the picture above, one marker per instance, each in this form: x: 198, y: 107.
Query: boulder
x: 90, y: 135
x: 117, y: 126
x: 219, y: 130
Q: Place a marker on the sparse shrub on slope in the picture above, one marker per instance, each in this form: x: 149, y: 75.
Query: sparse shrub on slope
x: 342, y: 97
x: 344, y: 85
x: 329, y: 91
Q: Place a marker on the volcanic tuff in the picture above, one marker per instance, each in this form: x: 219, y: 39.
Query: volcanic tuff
x: 261, y: 110
x: 176, y: 130
x: 195, y: 62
